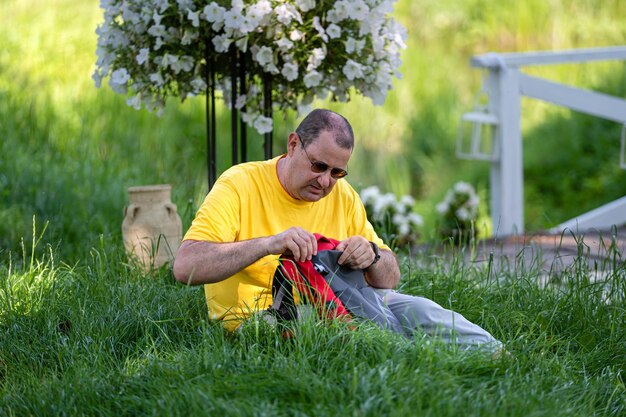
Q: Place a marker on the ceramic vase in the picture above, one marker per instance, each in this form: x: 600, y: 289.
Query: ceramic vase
x: 152, y: 229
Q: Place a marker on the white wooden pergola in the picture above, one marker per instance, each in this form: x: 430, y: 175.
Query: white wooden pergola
x: 504, y: 87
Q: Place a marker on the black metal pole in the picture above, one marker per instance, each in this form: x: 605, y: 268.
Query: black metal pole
x: 267, y: 110
x: 210, y: 116
x: 242, y: 126
x: 213, y: 166
x: 233, y: 109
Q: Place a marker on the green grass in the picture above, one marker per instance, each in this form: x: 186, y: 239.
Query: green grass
x: 104, y: 338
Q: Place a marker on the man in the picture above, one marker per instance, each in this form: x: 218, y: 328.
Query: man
x: 257, y: 211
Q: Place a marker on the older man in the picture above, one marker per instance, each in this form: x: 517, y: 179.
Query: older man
x: 257, y: 211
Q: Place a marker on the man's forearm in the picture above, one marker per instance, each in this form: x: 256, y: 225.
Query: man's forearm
x: 200, y: 262
x: 385, y: 273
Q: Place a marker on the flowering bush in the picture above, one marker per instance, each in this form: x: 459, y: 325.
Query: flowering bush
x: 458, y: 213
x: 393, y: 219
x: 153, y: 49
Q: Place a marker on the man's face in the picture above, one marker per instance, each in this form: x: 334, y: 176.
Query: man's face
x: 304, y: 183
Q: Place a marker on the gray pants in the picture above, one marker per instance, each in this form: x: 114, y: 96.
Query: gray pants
x: 419, y: 313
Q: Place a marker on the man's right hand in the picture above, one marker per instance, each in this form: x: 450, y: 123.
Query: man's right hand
x: 296, y: 241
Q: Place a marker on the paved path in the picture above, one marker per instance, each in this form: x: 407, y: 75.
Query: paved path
x: 603, y: 250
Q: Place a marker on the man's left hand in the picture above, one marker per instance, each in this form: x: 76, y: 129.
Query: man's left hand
x: 357, y: 253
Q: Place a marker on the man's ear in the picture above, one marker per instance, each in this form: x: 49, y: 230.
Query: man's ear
x: 292, y: 143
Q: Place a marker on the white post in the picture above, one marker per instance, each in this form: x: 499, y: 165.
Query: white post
x: 507, y: 176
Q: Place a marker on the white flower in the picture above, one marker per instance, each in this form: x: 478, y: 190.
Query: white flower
x: 263, y: 124
x: 157, y: 30
x: 407, y: 201
x: 142, y: 56
x: 333, y: 31
x: 214, y: 12
x: 370, y: 194
x: 233, y: 19
x: 352, y: 45
x: 290, y: 71
x: 316, y: 58
x: 312, y: 79
x: 305, y: 5
x: 320, y: 29
x: 198, y: 84
x: 462, y: 214
x: 240, y: 102
x: 295, y: 35
x: 358, y: 10
x: 284, y: 44
x: 265, y: 56
x: 443, y: 207
x: 120, y: 76
x: 134, y: 102
x: 194, y: 17
x: 416, y: 219
x: 353, y: 70
x: 221, y: 43
x: 285, y: 13
x: 463, y: 188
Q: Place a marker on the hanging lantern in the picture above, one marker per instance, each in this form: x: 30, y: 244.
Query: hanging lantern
x: 477, y: 136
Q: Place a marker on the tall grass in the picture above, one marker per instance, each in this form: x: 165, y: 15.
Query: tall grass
x: 103, y: 338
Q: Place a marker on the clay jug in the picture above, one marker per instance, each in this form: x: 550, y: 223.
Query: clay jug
x: 152, y: 229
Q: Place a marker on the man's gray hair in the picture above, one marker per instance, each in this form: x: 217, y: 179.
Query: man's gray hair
x: 320, y: 120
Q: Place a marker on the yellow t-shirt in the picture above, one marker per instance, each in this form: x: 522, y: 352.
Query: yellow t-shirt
x: 248, y: 201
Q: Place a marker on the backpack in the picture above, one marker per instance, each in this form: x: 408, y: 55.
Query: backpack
x: 335, y: 291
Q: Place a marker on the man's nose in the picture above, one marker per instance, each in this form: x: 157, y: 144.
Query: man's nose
x: 324, y: 179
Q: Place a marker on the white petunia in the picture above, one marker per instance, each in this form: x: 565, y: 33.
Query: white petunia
x: 315, y: 59
x: 462, y: 214
x: 320, y: 29
x: 353, y: 70
x: 233, y: 19
x: 134, y: 102
x: 416, y: 219
x: 407, y: 201
x: 157, y: 30
x: 340, y: 11
x: 214, y: 12
x: 221, y: 43
x: 194, y: 17
x: 263, y: 124
x: 295, y: 35
x: 333, y: 31
x: 142, y: 56
x: 305, y: 5
x: 443, y: 207
x: 120, y: 76
x: 312, y: 79
x: 370, y: 194
x: 352, y: 45
x: 358, y: 10
x: 290, y: 71
x: 265, y: 56
x: 240, y: 102
x: 284, y: 44
x: 198, y: 85
x: 285, y: 13
x: 463, y: 188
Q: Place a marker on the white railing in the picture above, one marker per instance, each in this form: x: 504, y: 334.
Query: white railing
x: 504, y: 87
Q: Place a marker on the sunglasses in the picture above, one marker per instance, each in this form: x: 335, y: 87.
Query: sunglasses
x: 320, y: 167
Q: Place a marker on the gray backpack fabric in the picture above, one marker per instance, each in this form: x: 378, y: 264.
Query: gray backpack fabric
x: 350, y: 287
